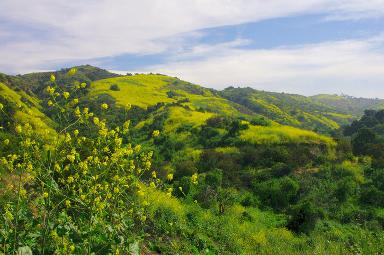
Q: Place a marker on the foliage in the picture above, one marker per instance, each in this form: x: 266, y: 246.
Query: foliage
x: 163, y: 166
x: 290, y: 109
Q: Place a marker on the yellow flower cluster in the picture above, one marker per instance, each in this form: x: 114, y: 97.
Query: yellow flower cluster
x: 104, y: 106
x: 87, y: 173
x: 155, y: 133
x: 194, y: 178
x: 66, y: 94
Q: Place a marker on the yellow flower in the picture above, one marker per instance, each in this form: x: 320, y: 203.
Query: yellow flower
x: 82, y: 197
x: 96, y: 120
x: 137, y: 148
x: 1, y: 106
x: 85, y: 110
x: 45, y: 194
x: 50, y: 103
x: 143, y: 218
x: 155, y: 133
x: 76, y: 101
x: 18, y: 129
x: 169, y: 177
x: 72, y: 247
x: 50, y: 90
x: 8, y: 215
x: 29, y: 167
x: 72, y: 71
x: 68, y: 138
x: 57, y: 167
x: 83, y: 85
x: 6, y: 141
x: 104, y: 106
x: 67, y: 203
x: 71, y: 158
x: 76, y: 132
x: 66, y: 94
x: 77, y: 111
x: 194, y: 178
x: 70, y: 179
x: 52, y: 78
x: 23, y: 192
x: 116, y: 190
x: 169, y: 192
x: 154, y: 174
x: 103, y: 132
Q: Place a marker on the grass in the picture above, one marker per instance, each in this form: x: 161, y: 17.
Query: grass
x: 27, y: 113
x: 140, y: 90
x: 181, y: 116
x: 279, y: 134
x: 145, y: 90
x: 322, y: 120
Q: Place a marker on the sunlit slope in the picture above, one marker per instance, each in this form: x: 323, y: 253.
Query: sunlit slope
x: 23, y: 109
x: 280, y: 134
x: 290, y: 109
x: 185, y: 104
x: 351, y: 105
x: 35, y: 83
x: 148, y: 90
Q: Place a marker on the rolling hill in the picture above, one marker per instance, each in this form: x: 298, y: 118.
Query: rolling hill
x: 350, y: 105
x: 187, y: 104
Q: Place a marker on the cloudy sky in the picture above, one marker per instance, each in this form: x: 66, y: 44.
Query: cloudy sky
x: 301, y: 46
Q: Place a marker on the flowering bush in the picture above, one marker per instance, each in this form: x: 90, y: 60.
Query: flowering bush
x: 80, y: 191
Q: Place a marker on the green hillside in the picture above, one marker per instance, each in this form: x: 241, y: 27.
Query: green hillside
x: 289, y: 109
x: 35, y: 83
x: 350, y: 105
x: 189, y: 104
x: 22, y: 109
x: 97, y: 163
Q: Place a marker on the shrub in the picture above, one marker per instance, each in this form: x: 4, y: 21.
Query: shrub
x: 114, y: 87
x: 277, y: 193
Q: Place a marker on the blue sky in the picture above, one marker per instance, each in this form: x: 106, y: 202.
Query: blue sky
x: 305, y: 47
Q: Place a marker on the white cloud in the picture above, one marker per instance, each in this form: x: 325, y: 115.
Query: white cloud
x: 98, y: 28
x: 353, y: 67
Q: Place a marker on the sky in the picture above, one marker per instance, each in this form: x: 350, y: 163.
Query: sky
x: 306, y: 47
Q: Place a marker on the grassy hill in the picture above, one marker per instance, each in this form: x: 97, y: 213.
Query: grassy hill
x: 189, y: 104
x: 35, y: 83
x: 22, y: 109
x: 290, y: 109
x: 350, y: 105
x: 321, y: 113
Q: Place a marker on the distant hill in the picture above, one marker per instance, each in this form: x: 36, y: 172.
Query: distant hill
x: 290, y: 109
x: 178, y: 105
x: 348, y: 104
x: 322, y: 113
x: 34, y: 83
x: 186, y: 105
